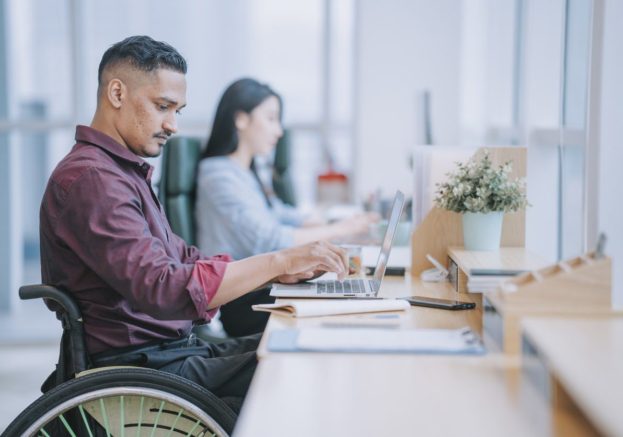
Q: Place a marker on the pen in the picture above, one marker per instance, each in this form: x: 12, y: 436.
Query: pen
x: 359, y: 325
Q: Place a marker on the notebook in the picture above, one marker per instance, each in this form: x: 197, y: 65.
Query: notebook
x: 350, y: 288
x: 318, y: 307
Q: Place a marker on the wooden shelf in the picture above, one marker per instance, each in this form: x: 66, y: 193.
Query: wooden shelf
x: 507, y: 258
x: 580, y: 286
x: 461, y: 261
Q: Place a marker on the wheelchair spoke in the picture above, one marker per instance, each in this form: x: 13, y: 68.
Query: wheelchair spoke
x: 67, y: 427
x: 140, y: 417
x: 190, y: 433
x: 84, y: 419
x: 105, y: 417
x: 153, y: 430
x: 175, y: 422
x: 121, y: 418
x: 44, y: 433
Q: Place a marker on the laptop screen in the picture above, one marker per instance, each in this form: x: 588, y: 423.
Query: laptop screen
x: 386, y: 246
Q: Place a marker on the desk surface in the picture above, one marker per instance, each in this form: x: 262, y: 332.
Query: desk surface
x: 311, y: 394
x: 385, y: 395
x: 417, y: 317
x: 586, y: 355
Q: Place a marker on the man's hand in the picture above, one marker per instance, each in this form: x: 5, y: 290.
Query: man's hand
x: 302, y: 277
x: 311, y: 260
x: 287, y: 265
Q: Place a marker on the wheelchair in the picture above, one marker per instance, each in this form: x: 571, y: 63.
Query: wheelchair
x: 114, y: 401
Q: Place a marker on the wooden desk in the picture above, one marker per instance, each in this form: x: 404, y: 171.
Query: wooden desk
x: 312, y: 394
x: 387, y: 395
x: 584, y: 361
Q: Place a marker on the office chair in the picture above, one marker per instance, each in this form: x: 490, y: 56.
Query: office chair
x: 178, y: 181
x: 177, y: 186
x: 282, y: 174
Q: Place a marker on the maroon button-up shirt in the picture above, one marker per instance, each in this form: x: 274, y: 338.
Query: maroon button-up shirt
x: 105, y: 239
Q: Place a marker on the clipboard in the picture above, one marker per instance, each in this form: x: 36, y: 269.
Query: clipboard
x: 377, y: 341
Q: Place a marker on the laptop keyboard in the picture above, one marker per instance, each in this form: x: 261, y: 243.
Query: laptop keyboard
x: 349, y: 286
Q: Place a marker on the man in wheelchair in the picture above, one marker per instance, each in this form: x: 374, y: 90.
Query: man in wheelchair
x: 106, y: 240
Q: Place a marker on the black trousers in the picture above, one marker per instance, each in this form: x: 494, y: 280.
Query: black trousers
x: 239, y: 319
x: 224, y: 368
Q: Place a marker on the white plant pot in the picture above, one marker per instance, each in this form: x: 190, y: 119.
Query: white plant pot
x: 482, y: 231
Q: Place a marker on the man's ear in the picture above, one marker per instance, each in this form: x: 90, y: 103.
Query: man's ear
x: 241, y: 120
x: 116, y: 92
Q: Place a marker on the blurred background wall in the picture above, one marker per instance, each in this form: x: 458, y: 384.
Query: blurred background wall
x: 363, y: 82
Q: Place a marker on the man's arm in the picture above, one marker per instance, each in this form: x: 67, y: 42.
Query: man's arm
x: 300, y: 262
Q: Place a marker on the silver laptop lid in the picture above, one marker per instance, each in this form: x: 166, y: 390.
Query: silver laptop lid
x: 388, y: 239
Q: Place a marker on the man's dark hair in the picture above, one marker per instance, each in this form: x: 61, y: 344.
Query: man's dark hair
x: 143, y: 53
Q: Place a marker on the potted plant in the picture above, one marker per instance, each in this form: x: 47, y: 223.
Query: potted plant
x: 482, y: 194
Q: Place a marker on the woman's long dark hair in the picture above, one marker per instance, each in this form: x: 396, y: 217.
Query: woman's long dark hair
x: 242, y: 95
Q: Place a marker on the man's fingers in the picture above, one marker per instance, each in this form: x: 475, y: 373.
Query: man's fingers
x: 334, y: 261
x: 342, y: 257
x: 319, y: 256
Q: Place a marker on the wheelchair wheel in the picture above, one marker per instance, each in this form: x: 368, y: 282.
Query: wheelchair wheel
x: 131, y: 402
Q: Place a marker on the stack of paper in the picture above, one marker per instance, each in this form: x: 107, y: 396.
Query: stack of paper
x: 487, y: 280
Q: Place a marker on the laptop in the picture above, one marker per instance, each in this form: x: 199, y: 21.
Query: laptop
x: 350, y: 288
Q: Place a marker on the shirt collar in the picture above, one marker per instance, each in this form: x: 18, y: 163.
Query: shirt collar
x: 86, y: 134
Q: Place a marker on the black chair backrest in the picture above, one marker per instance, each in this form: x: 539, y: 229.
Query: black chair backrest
x: 282, y: 173
x: 73, y: 356
x: 178, y: 180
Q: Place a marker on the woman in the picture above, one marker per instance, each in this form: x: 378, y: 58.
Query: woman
x: 234, y: 214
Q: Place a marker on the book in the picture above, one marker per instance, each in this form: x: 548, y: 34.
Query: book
x: 374, y: 340
x: 326, y: 307
x: 496, y: 272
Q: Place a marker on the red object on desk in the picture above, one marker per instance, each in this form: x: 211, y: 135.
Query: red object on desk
x: 332, y: 188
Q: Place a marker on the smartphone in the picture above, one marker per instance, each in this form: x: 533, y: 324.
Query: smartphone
x: 444, y: 304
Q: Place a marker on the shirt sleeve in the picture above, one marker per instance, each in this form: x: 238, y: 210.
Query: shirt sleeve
x: 107, y: 230
x: 209, y: 275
